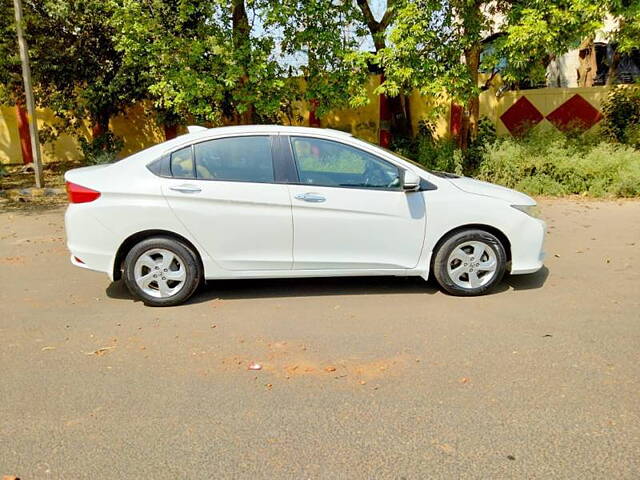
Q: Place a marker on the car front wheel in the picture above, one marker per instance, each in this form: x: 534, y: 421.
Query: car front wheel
x: 470, y: 262
x: 162, y: 271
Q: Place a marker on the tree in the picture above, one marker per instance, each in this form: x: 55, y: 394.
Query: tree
x: 11, y: 86
x: 437, y: 46
x: 394, y: 112
x: 10, y: 73
x: 316, y: 41
x: 77, y: 72
x: 627, y: 34
x: 200, y: 59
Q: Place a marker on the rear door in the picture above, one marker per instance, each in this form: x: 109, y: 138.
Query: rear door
x: 349, y: 210
x: 226, y: 194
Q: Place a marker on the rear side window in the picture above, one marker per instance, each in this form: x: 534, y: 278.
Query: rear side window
x: 182, y: 163
x: 240, y: 159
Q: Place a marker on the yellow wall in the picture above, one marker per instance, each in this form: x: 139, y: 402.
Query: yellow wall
x: 138, y: 129
x: 546, y: 100
x: 362, y: 122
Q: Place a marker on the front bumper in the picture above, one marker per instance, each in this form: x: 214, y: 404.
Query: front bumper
x: 527, y: 247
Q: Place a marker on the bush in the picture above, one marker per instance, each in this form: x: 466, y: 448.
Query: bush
x: 428, y: 150
x: 444, y: 154
x: 551, y: 163
x: 102, y: 149
x: 621, y: 111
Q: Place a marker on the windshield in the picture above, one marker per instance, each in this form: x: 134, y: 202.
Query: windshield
x: 437, y: 173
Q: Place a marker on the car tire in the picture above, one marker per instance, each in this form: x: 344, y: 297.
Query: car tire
x: 162, y: 271
x: 459, y: 270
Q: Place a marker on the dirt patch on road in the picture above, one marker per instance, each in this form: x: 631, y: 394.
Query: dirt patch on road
x: 290, y: 360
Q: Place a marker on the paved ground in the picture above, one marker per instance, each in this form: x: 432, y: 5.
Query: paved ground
x: 539, y: 380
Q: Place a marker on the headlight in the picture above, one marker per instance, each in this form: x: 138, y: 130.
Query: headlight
x: 531, y: 210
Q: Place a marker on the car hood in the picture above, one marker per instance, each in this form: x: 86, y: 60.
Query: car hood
x: 487, y: 189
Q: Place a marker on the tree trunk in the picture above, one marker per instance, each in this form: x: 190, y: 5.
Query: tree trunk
x: 471, y: 115
x: 389, y: 111
x: 23, y: 131
x: 242, y: 43
x: 612, y: 74
x: 314, y: 120
x: 384, y: 129
x: 100, y: 125
x: 170, y: 131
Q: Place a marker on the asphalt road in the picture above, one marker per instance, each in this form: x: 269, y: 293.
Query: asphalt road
x: 361, y: 378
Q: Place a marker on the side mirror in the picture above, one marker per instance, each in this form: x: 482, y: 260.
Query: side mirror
x: 410, y: 181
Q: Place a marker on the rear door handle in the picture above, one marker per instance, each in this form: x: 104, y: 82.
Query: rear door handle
x: 311, y: 197
x: 186, y: 188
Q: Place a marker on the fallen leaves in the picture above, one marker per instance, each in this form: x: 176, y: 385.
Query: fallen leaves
x: 100, y: 351
x: 446, y: 448
x: 19, y: 260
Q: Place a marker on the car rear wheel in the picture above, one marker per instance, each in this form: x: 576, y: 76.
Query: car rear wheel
x: 162, y: 271
x: 470, y: 262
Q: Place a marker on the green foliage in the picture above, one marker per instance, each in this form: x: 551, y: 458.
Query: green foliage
x: 10, y: 74
x: 102, y: 149
x: 317, y: 34
x: 444, y: 154
x: 621, y: 111
x: 435, y: 46
x: 78, y: 72
x: 551, y: 163
x: 535, y: 30
x: 628, y: 32
x: 184, y: 52
x: 478, y: 145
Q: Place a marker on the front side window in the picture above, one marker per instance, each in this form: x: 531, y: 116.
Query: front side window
x: 182, y: 163
x: 241, y: 159
x: 332, y: 164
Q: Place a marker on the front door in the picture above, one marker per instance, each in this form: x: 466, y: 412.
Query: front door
x: 224, y: 192
x: 349, y: 210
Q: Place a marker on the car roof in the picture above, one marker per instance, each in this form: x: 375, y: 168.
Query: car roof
x: 287, y: 129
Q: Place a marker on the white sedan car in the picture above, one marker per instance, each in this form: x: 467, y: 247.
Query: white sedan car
x: 274, y: 201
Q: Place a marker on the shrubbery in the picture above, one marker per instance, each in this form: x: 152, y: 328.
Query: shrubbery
x: 621, y: 110
x: 605, y: 162
x: 102, y: 149
x: 443, y: 154
x: 551, y: 163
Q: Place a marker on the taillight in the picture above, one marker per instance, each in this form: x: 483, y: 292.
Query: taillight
x: 79, y: 194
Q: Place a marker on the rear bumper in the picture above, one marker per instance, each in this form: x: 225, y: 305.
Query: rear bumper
x: 527, y: 247
x: 91, y: 245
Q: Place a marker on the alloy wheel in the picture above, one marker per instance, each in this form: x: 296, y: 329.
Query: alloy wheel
x: 472, y: 264
x: 160, y: 273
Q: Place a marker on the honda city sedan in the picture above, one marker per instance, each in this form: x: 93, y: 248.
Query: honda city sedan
x: 276, y: 201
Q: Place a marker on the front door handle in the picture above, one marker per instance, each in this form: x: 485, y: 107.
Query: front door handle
x: 311, y: 197
x: 186, y: 188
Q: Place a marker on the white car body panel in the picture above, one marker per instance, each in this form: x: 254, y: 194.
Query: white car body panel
x: 258, y: 214
x: 357, y: 228
x: 248, y: 230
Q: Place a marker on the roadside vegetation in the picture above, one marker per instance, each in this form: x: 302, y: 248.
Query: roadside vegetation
x: 546, y: 161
